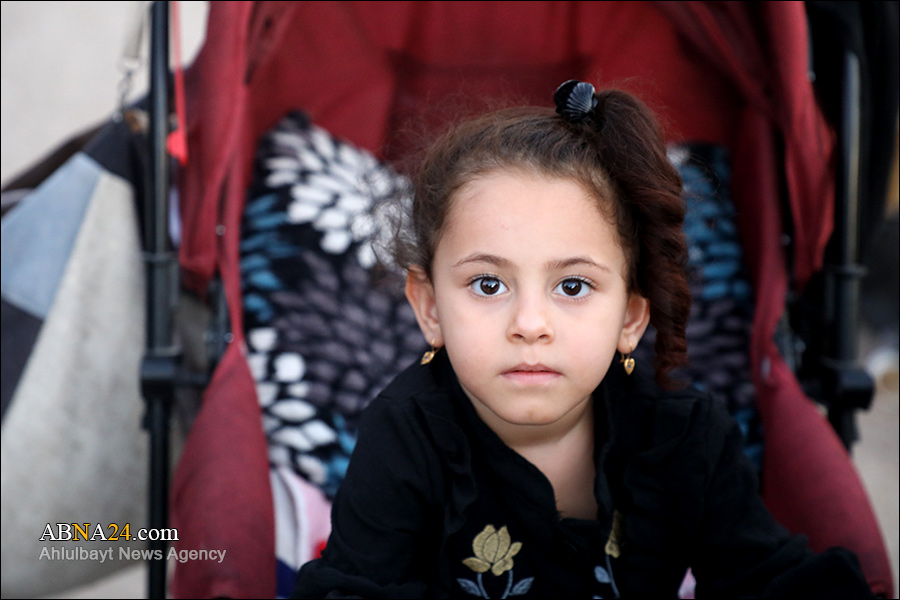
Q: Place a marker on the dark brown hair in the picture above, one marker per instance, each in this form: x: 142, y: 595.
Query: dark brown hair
x: 618, y: 154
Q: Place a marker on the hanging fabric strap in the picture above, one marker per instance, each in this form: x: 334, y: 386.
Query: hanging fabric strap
x: 176, y: 143
x: 131, y: 59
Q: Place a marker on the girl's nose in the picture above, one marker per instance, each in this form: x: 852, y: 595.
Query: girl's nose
x: 530, y: 322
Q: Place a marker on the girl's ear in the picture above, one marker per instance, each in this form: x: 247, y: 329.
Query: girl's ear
x: 420, y: 293
x: 637, y: 317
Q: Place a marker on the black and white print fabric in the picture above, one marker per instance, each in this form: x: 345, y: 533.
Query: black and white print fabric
x: 327, y: 328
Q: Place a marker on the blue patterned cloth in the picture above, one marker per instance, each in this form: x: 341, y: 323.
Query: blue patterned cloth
x: 326, y: 330
x: 720, y: 323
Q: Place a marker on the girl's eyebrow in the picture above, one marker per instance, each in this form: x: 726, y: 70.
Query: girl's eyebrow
x: 497, y: 261
x: 503, y: 263
x: 577, y: 261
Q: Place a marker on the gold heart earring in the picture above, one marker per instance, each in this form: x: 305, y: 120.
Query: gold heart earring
x: 429, y: 355
x: 628, y: 362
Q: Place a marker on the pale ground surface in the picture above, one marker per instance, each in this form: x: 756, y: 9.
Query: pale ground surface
x: 59, y: 76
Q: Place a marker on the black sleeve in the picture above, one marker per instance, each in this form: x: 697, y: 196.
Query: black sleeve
x: 742, y: 551
x: 379, y: 514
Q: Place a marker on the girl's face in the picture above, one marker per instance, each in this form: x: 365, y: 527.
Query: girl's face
x: 528, y: 295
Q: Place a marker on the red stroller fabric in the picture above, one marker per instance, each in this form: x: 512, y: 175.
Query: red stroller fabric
x: 733, y: 74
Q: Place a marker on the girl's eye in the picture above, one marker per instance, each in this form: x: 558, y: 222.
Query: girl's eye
x: 487, y: 286
x: 574, y: 288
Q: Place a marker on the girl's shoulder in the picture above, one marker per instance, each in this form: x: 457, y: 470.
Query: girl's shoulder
x: 414, y: 391
x: 394, y: 413
x: 417, y: 411
x: 396, y: 448
x: 648, y: 419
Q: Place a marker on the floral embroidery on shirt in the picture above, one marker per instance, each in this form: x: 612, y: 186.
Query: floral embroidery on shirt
x: 616, y: 535
x: 494, y: 551
x: 605, y: 576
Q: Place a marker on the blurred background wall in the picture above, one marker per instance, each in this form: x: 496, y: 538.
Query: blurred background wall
x: 61, y: 69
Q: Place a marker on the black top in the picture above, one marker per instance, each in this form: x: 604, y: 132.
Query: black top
x: 435, y: 505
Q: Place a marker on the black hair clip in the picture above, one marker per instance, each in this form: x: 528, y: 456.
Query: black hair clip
x: 575, y: 100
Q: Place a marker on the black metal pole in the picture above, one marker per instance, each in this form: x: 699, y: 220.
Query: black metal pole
x: 850, y: 387
x: 160, y: 365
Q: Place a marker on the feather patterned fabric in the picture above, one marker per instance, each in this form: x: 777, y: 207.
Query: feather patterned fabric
x: 326, y: 329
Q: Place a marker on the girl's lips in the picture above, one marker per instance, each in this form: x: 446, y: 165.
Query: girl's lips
x: 531, y: 374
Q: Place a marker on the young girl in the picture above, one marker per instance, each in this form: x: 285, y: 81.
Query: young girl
x: 528, y: 454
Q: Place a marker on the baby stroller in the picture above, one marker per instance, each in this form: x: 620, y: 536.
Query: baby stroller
x: 730, y: 81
